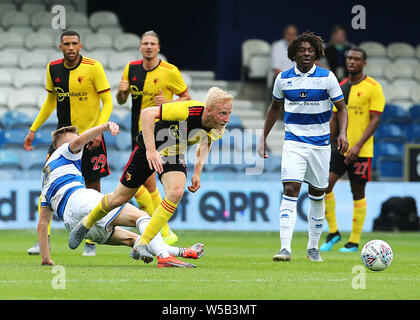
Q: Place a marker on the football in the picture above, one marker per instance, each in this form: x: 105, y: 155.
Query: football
x: 376, y: 255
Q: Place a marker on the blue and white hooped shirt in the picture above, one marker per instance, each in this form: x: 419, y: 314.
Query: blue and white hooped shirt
x: 307, y: 104
x: 62, y: 175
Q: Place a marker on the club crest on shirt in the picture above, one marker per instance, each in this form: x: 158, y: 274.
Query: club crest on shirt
x: 128, y: 176
x: 303, y: 94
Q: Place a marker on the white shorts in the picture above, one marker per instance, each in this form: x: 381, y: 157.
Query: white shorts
x: 305, y: 164
x: 79, y: 204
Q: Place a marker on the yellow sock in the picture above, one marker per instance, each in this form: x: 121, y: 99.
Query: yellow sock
x: 100, y: 211
x: 144, y: 200
x: 330, y: 212
x: 359, y: 214
x: 157, y: 199
x: 159, y: 218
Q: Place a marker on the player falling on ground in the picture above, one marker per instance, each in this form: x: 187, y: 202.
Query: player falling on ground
x: 151, y: 82
x: 64, y: 193
x: 161, y: 147
x: 305, y: 92
x: 76, y: 86
x: 366, y: 102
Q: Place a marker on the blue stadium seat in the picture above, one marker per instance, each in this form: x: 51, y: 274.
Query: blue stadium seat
x: 42, y: 138
x: 33, y: 160
x: 412, y: 133
x: 13, y: 138
x: 414, y: 113
x: 225, y: 161
x: 395, y: 114
x: 390, y: 167
x: 123, y: 140
x: 388, y: 132
x: 15, y: 119
x: 115, y: 118
x: 9, y: 160
x: 386, y: 149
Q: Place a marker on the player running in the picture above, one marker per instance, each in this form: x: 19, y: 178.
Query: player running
x: 64, y: 193
x: 166, y: 133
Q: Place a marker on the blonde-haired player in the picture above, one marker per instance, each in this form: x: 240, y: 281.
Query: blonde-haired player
x: 167, y: 130
x: 64, y: 193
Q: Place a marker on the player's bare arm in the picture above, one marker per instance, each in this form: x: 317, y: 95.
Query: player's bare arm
x: 203, y: 149
x: 342, y: 143
x: 148, y: 117
x: 45, y: 216
x: 271, y: 117
x: 78, y: 143
x: 353, y: 153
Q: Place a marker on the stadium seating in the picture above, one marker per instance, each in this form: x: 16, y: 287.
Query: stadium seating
x: 103, y: 19
x: 42, y: 138
x: 126, y: 41
x: 390, y: 168
x: 389, y: 133
x: 412, y: 133
x: 110, y: 141
x: 9, y: 160
x: 15, y: 119
x: 373, y: 48
x: 255, y: 58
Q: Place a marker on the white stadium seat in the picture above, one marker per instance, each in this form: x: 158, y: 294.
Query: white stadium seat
x: 118, y: 60
x: 126, y: 41
x: 373, y: 48
x: 255, y: 56
x: 416, y: 73
x: 76, y: 19
x: 31, y: 8
x: 11, y: 40
x: 415, y: 94
x: 98, y: 41
x: 33, y: 59
x: 103, y: 18
x: 29, y: 78
x: 399, y: 49
x: 21, y: 99
x: 41, y: 19
x: 396, y: 70
x: 373, y: 70
x: 6, y: 78
x: 15, y: 18
x: 8, y: 59
x: 39, y: 40
x: 5, y: 8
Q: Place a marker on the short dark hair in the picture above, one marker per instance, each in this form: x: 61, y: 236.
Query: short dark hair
x: 362, y: 51
x: 308, y: 36
x: 69, y: 33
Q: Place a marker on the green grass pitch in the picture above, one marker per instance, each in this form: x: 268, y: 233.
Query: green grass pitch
x: 236, y: 266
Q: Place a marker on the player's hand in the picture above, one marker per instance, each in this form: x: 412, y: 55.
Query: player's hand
x: 27, y: 143
x: 262, y: 149
x: 113, y: 128
x: 342, y: 143
x: 47, y: 262
x: 155, y: 160
x: 160, y: 98
x: 195, y: 183
x: 124, y: 86
x: 352, y: 155
x: 96, y: 142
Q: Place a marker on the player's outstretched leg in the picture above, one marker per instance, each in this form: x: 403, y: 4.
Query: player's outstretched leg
x: 171, y: 261
x: 77, y: 234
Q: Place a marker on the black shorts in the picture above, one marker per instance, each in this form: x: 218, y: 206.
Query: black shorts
x: 358, y: 171
x: 137, y: 168
x: 94, y: 163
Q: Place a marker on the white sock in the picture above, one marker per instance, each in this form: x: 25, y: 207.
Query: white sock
x: 315, y: 220
x: 287, y: 215
x: 156, y: 246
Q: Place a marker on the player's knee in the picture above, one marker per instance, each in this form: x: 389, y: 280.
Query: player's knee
x: 175, y: 194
